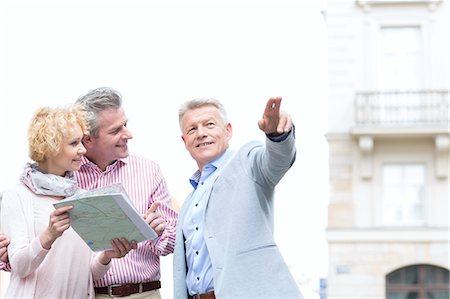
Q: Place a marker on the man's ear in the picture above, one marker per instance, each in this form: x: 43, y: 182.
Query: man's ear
x: 87, y: 141
x: 229, y: 130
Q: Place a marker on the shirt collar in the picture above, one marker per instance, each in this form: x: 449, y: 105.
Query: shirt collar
x: 215, y: 164
x: 85, y: 162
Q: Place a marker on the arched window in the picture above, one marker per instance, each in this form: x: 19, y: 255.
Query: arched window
x: 418, y: 282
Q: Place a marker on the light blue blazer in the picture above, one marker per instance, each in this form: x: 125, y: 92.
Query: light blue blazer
x: 239, y: 220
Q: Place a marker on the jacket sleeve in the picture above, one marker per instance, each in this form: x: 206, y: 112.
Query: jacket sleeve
x: 271, y: 162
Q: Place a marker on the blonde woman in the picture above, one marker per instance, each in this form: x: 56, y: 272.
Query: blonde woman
x: 48, y: 259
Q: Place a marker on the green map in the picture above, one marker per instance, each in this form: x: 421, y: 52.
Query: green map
x: 103, y: 214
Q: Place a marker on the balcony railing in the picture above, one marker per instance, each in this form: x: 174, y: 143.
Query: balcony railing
x: 402, y: 108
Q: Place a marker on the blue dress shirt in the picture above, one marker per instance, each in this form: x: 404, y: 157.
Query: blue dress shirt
x: 199, y: 277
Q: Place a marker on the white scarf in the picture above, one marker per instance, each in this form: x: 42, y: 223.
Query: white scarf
x: 48, y: 184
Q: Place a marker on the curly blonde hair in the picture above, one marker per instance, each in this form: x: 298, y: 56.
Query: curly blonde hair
x: 48, y: 128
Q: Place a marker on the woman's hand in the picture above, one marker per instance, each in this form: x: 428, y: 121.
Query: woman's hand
x: 58, y: 223
x: 4, y: 242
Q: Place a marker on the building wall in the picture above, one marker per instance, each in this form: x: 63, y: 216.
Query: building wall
x: 341, y: 210
x: 353, y: 200
x: 352, y: 49
x: 358, y: 264
x: 362, y: 251
x: 364, y: 265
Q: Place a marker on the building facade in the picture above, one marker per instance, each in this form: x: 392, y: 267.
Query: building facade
x: 388, y: 137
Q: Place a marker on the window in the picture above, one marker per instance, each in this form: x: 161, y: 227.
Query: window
x: 403, y: 194
x: 418, y: 282
x: 400, y: 52
x: 399, y: 72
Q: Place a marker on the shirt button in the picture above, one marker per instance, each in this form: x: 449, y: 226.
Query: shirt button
x: 196, y: 228
x: 196, y: 252
x: 196, y: 204
x: 202, y: 183
x: 198, y: 278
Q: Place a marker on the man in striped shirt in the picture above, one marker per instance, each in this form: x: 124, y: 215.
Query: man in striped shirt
x: 107, y: 162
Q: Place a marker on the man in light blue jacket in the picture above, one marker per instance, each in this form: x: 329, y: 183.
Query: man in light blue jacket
x: 224, y: 245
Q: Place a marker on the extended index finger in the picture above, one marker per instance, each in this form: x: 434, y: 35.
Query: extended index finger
x: 152, y: 208
x: 273, y: 105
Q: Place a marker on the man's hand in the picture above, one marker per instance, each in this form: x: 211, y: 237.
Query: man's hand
x: 154, y: 219
x: 273, y: 120
x: 120, y: 248
x: 4, y: 242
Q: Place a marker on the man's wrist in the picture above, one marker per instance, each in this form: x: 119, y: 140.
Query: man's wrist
x: 277, y: 137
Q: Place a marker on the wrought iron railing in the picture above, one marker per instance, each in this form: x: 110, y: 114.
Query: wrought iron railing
x: 402, y: 108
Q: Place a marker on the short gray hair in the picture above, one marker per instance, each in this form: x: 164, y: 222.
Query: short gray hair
x: 201, y: 102
x: 96, y: 101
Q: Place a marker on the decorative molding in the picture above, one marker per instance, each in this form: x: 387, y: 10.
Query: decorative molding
x: 391, y: 234
x: 365, y: 144
x: 442, y: 143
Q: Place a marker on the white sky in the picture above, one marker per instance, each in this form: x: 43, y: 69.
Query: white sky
x: 161, y: 53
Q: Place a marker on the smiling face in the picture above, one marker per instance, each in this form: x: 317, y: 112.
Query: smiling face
x: 111, y: 142
x: 69, y: 156
x: 205, y: 134
x: 54, y: 138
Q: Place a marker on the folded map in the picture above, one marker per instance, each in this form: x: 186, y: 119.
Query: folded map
x: 103, y: 214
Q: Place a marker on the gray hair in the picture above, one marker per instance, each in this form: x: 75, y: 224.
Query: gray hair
x: 96, y: 101
x: 201, y: 102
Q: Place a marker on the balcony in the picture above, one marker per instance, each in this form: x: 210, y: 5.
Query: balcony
x: 369, y: 4
x: 402, y: 113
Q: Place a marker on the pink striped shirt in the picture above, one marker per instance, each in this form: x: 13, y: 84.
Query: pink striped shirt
x: 144, y: 183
